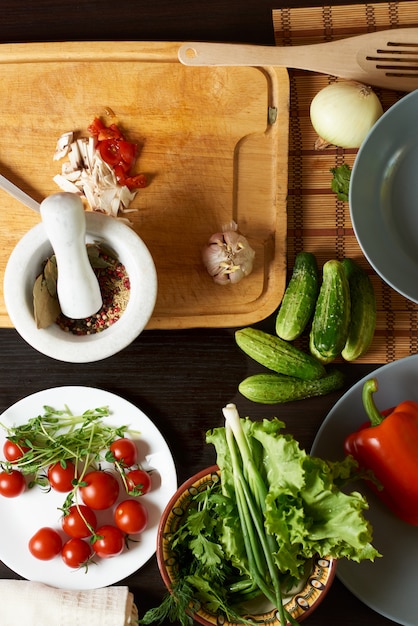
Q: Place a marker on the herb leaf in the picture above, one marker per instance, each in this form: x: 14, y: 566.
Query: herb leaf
x: 341, y: 181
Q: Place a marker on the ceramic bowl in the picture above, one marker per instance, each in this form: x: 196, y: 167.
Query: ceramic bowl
x: 25, y: 263
x: 299, y: 605
x: 383, y: 197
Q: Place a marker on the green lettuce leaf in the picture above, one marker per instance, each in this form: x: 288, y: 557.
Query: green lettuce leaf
x: 306, y: 509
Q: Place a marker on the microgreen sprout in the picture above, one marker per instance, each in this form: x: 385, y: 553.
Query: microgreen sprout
x: 59, y: 436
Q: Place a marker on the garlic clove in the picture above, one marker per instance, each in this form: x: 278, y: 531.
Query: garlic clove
x: 65, y: 184
x: 63, y: 145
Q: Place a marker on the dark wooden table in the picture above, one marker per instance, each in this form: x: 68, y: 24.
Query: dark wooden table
x: 180, y: 379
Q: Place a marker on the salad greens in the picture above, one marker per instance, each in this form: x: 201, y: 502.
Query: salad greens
x: 254, y: 532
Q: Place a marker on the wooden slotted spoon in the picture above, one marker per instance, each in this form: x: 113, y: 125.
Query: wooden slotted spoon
x: 388, y: 58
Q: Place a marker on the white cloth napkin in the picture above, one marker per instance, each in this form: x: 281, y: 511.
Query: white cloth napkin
x: 27, y: 603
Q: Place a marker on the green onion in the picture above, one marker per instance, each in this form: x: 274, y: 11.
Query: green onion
x: 251, y: 492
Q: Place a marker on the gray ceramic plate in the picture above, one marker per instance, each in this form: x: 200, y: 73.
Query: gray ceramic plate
x: 384, y: 196
x: 388, y: 585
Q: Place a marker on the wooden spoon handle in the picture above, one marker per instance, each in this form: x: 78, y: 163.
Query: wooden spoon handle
x: 214, y: 54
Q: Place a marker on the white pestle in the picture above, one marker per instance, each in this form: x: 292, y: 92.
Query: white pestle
x: 65, y: 225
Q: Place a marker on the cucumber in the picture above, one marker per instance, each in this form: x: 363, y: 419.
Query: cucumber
x: 299, y: 298
x: 278, y: 355
x: 331, y: 318
x: 363, y: 311
x: 278, y: 388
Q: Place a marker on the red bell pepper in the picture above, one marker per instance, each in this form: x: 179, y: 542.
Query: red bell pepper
x: 388, y: 447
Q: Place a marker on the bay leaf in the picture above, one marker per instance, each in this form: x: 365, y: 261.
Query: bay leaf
x: 51, y: 275
x: 45, y: 307
x: 96, y: 260
x: 106, y: 249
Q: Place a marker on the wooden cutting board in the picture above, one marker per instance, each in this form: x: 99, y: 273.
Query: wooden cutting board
x: 213, y: 143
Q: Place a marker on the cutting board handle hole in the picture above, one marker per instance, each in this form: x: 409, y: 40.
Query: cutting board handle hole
x: 191, y: 53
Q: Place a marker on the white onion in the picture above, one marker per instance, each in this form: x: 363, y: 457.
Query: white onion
x: 343, y: 113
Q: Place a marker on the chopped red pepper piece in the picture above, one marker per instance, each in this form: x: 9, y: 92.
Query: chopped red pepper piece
x: 117, y: 152
x: 388, y: 446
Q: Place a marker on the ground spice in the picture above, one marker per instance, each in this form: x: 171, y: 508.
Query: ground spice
x: 115, y: 287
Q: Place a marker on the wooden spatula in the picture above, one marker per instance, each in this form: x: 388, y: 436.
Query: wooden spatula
x: 388, y: 58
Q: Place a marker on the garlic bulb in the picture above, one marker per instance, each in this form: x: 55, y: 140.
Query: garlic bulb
x: 228, y: 256
x: 343, y: 113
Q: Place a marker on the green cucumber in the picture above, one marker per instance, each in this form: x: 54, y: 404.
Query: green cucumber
x: 278, y: 388
x: 278, y: 355
x: 363, y: 311
x: 331, y: 318
x: 299, y: 298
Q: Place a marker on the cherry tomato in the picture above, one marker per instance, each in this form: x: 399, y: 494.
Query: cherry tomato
x: 124, y: 451
x: 109, y: 151
x: 127, y: 153
x: 120, y: 174
x: 45, y: 544
x: 74, y: 523
x: 13, y: 451
x: 110, y: 541
x: 118, y: 152
x: 75, y: 552
x: 100, y: 491
x: 60, y: 476
x: 96, y: 127
x: 131, y: 517
x: 110, y: 132
x: 139, y: 181
x: 102, y: 132
x: 12, y: 484
x: 139, y: 482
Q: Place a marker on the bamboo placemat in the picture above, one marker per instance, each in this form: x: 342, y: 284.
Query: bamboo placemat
x: 317, y: 220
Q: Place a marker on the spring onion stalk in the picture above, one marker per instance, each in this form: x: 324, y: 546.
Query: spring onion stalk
x: 251, y: 492
x: 250, y: 526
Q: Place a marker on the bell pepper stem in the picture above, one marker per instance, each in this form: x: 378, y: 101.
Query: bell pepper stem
x: 374, y: 415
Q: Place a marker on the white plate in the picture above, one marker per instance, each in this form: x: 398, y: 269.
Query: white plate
x: 389, y: 585
x: 22, y: 516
